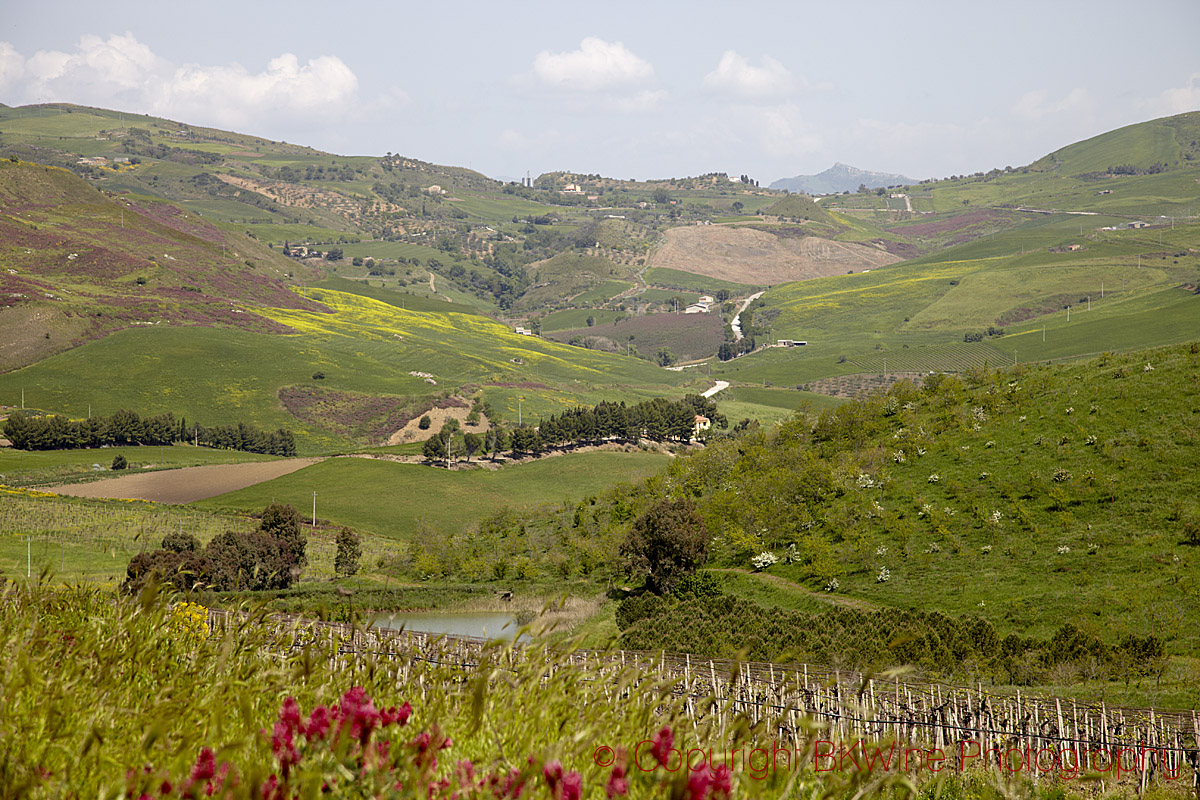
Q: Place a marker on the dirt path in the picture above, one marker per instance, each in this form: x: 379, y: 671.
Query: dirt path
x: 824, y: 597
x: 188, y: 484
x: 736, y: 322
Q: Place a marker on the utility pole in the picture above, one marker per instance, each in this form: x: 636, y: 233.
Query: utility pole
x: 519, y: 399
x: 314, y: 524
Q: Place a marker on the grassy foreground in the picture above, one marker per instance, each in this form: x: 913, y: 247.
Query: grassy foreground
x: 141, y: 698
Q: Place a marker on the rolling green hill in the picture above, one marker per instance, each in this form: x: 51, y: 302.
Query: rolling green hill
x: 1029, y: 498
x: 361, y: 345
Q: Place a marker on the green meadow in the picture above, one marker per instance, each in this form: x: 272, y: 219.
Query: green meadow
x: 395, y: 500
x: 221, y: 375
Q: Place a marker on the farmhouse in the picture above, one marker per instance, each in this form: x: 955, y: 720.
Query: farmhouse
x: 791, y: 343
x: 1139, y: 224
x: 522, y: 331
x: 702, y: 423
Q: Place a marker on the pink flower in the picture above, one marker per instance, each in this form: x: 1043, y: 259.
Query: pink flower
x: 572, y: 786
x: 357, y: 712
x: 618, y: 784
x: 721, y: 784
x: 661, y: 745
x: 206, y: 765
x: 563, y: 786
x: 290, y: 713
x: 283, y: 747
x: 318, y: 724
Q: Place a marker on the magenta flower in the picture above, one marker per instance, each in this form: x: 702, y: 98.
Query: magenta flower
x: 661, y: 744
x: 618, y: 784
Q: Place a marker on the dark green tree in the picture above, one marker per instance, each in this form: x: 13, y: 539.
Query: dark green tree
x: 666, y: 544
x: 349, y: 553
x: 281, y: 522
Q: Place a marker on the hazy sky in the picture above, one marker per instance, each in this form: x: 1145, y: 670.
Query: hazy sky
x: 626, y: 89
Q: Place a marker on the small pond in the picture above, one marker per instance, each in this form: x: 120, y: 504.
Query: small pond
x: 484, y: 624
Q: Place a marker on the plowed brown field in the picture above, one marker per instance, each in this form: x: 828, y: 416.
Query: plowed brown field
x: 188, y: 484
x: 755, y: 257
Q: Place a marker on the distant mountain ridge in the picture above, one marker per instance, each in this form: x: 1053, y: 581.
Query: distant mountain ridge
x: 839, y: 178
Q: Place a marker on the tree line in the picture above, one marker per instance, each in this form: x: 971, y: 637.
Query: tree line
x: 56, y: 432
x: 659, y: 420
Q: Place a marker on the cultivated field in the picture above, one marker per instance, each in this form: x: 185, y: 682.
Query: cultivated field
x: 751, y: 256
x: 188, y: 484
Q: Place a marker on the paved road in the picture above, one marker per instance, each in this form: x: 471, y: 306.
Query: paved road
x: 719, y: 387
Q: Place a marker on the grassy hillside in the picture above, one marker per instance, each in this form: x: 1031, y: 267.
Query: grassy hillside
x: 80, y: 264
x: 363, y: 346
x: 1027, y: 498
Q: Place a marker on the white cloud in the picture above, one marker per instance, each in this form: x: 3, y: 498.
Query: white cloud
x: 645, y: 100
x: 1173, y: 101
x: 597, y: 65
x: 122, y: 72
x: 736, y: 76
x: 12, y: 67
x: 1034, y: 105
x: 784, y: 131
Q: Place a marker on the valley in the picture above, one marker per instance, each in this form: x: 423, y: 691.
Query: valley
x: 942, y: 433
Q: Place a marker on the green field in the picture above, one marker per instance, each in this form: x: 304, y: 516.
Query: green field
x: 577, y: 318
x: 212, y: 375
x: 21, y: 468
x: 602, y: 293
x: 393, y: 500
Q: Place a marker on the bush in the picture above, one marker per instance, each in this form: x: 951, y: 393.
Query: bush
x: 269, y: 558
x: 119, y: 462
x: 425, y: 423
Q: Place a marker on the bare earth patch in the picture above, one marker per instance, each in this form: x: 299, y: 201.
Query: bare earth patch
x: 411, y: 432
x: 188, y: 484
x: 746, y: 255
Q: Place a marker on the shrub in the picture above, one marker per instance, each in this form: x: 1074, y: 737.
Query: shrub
x: 425, y: 423
x: 119, y: 462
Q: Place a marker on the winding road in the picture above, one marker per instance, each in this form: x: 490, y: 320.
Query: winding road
x: 736, y: 322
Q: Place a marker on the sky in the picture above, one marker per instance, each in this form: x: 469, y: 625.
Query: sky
x: 648, y: 89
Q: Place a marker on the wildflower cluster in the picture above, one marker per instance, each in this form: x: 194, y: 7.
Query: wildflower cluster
x: 189, y: 621
x: 763, y: 560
